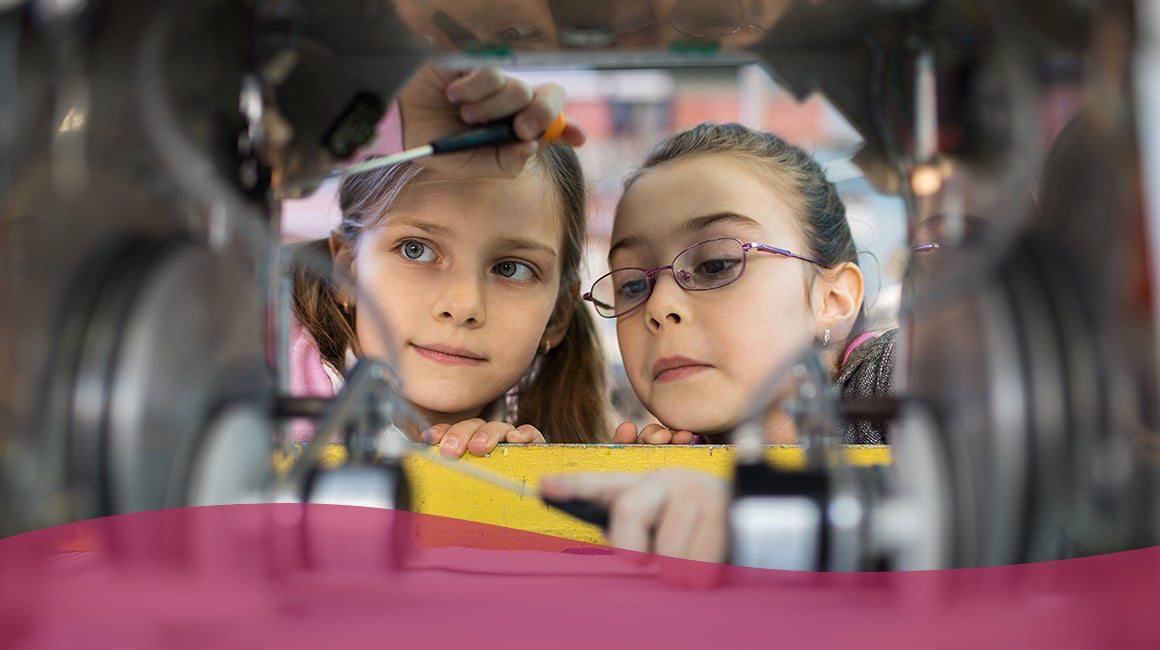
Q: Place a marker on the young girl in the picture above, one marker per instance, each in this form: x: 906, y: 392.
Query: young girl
x: 468, y: 285
x: 731, y: 252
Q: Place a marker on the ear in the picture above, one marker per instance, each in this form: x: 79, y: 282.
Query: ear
x: 561, y: 316
x: 837, y: 300
x: 342, y: 255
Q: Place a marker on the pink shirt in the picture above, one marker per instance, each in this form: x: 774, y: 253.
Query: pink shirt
x: 310, y: 376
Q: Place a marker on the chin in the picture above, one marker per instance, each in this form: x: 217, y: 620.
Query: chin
x: 436, y: 402
x: 699, y: 422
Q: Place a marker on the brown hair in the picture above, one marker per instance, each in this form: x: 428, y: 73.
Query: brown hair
x: 821, y: 212
x: 564, y: 394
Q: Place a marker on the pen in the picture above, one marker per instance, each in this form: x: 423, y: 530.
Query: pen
x: 496, y: 133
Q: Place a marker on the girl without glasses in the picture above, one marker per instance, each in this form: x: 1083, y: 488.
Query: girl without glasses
x: 731, y: 252
x: 468, y: 283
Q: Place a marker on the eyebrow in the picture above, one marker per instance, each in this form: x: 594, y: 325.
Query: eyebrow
x: 700, y: 223
x: 526, y: 245
x: 429, y: 228
x: 693, y: 225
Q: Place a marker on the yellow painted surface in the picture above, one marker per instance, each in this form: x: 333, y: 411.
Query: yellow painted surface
x: 440, y: 490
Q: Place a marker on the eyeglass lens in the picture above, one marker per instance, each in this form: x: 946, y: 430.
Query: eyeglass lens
x: 707, y: 265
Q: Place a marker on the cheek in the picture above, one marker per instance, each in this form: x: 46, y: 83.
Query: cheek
x: 384, y: 304
x: 630, y: 339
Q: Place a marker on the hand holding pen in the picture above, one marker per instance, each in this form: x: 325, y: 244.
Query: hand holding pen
x: 481, y: 123
x: 439, y: 103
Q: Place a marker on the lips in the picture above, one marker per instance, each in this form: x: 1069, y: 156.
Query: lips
x: 676, y: 367
x: 448, y: 354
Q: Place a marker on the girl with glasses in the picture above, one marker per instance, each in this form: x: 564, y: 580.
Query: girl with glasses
x: 731, y: 252
x: 465, y: 280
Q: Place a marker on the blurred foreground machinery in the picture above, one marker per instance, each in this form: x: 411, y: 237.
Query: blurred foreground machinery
x: 144, y: 312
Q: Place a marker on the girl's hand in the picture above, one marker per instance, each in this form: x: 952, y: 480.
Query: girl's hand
x: 651, y: 434
x: 478, y: 437
x: 675, y: 512
x: 437, y: 103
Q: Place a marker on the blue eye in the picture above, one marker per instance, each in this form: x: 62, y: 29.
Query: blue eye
x: 632, y: 289
x: 517, y: 271
x: 416, y: 251
x: 718, y: 267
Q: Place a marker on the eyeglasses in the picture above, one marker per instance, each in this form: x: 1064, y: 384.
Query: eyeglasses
x: 711, y: 264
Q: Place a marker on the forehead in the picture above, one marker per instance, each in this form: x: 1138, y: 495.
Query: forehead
x: 527, y: 205
x: 659, y: 206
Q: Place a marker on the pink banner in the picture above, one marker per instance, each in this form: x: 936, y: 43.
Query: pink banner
x: 289, y: 576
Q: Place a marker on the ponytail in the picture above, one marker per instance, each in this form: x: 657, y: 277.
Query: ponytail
x: 317, y: 303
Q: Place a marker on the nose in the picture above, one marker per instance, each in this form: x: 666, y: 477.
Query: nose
x: 668, y: 304
x: 460, y: 299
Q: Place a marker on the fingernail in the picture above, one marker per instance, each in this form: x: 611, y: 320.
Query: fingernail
x: 450, y: 444
x: 468, y: 115
x: 428, y: 435
x: 478, y: 438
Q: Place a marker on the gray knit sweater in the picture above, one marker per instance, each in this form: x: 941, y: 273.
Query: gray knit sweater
x: 868, y: 373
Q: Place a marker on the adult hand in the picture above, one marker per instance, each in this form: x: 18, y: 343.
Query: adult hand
x: 674, y: 512
x: 478, y: 437
x: 437, y: 103
x: 651, y: 434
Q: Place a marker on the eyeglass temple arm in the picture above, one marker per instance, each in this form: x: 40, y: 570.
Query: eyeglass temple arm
x: 599, y: 303
x: 781, y: 251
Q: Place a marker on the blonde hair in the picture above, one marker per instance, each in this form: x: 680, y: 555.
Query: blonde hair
x: 564, y: 394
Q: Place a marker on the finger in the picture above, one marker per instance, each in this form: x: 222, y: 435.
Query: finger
x: 656, y: 434
x: 625, y: 434
x: 474, y: 85
x: 513, y: 98
x: 545, y: 103
x: 454, y: 443
x: 574, y: 135
x: 512, y: 158
x: 682, y: 437
x: 434, y: 433
x: 484, y: 440
x: 677, y: 519
x: 602, y: 488
x: 633, y: 516
x: 525, y: 434
x: 709, y: 542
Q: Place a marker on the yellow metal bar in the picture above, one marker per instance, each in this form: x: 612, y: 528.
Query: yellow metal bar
x: 440, y: 490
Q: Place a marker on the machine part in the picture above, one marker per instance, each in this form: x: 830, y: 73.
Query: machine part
x: 233, y: 462
x: 912, y: 522
x: 369, y: 402
x: 823, y: 520
x: 330, y: 542
x: 166, y: 349
x: 1002, y: 461
x: 782, y: 532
